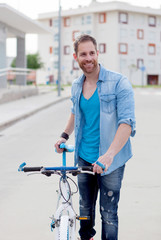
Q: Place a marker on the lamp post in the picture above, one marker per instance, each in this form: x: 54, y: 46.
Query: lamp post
x: 59, y: 51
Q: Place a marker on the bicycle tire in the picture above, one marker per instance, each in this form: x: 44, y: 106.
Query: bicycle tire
x: 64, y: 228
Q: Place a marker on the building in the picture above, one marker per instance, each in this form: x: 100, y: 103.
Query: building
x: 128, y: 36
x: 14, y: 24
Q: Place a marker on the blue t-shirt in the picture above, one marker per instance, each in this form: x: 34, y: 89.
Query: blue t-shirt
x: 89, y: 147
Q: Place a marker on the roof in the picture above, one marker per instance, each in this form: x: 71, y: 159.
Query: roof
x: 102, y: 7
x: 21, y: 22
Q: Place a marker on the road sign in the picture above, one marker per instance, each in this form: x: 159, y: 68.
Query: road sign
x: 143, y: 68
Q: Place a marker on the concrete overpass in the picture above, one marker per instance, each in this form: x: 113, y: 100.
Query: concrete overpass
x: 14, y: 24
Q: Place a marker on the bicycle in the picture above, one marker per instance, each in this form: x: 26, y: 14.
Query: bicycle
x: 64, y: 219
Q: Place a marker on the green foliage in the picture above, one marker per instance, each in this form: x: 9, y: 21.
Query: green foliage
x: 13, y: 64
x: 33, y: 61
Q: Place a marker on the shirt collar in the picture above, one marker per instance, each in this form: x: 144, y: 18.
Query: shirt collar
x: 101, y: 76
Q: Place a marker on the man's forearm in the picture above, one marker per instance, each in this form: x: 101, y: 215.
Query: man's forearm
x: 70, y: 124
x: 120, y: 139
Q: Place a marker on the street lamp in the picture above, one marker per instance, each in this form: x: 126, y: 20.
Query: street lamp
x: 59, y: 51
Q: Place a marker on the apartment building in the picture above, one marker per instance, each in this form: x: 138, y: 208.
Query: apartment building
x: 128, y: 37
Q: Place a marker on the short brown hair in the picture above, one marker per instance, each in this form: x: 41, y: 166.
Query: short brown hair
x: 84, y: 38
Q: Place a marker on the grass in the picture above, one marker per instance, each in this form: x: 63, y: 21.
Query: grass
x: 147, y: 86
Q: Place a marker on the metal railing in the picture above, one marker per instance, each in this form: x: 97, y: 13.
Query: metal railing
x: 11, y: 74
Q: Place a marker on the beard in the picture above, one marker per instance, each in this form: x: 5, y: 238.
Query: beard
x: 88, y: 66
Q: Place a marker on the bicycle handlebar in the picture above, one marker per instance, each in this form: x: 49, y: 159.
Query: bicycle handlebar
x: 64, y: 168
x: 67, y: 148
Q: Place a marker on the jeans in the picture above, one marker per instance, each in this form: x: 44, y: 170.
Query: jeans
x: 109, y: 186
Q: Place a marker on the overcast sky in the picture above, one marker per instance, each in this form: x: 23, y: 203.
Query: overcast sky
x: 32, y: 8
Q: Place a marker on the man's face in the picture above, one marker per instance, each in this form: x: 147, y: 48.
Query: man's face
x: 87, y: 57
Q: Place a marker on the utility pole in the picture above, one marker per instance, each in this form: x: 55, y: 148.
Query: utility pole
x: 59, y: 51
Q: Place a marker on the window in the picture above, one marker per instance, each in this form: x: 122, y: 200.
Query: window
x: 50, y: 50
x: 50, y: 22
x: 86, y: 19
x: 123, y: 48
x: 75, y: 65
x: 55, y: 51
x: 151, y: 49
x: 66, y: 50
x: 56, y: 65
x: 123, y: 18
x: 66, y: 21
x: 88, y: 32
x: 140, y: 63
x: 140, y: 34
x: 56, y: 37
x: 102, y: 17
x: 75, y: 34
x: 152, y: 21
x: 55, y: 23
x: 102, y: 47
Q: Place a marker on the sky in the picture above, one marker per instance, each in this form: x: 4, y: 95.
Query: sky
x: 32, y: 8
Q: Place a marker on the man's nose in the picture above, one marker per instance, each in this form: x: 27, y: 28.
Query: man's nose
x: 88, y: 57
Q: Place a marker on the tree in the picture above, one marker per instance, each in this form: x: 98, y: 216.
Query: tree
x: 33, y: 61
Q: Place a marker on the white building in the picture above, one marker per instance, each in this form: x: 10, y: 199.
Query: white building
x: 128, y: 37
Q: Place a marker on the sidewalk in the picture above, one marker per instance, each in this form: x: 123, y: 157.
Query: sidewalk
x: 12, y: 112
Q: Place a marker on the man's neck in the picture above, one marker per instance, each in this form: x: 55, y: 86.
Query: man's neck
x: 93, y: 77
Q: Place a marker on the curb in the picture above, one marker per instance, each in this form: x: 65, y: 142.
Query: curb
x: 26, y: 115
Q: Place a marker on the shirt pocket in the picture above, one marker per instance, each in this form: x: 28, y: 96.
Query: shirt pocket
x: 108, y: 103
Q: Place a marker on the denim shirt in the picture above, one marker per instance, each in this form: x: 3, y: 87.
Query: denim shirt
x: 116, y: 106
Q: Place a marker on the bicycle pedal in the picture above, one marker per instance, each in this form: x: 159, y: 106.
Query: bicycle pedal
x: 82, y: 218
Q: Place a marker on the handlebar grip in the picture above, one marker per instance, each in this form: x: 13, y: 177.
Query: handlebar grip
x: 100, y: 164
x: 68, y: 148
x: 32, y: 169
x: 87, y: 168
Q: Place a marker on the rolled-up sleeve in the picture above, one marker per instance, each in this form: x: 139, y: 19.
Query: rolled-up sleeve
x: 73, y: 100
x: 126, y: 104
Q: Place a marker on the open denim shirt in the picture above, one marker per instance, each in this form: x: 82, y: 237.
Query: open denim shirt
x: 116, y: 106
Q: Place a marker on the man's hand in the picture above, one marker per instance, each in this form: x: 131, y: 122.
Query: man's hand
x: 57, y: 144
x: 105, y: 159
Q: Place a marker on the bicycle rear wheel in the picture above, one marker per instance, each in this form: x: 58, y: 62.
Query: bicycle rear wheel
x: 64, y: 227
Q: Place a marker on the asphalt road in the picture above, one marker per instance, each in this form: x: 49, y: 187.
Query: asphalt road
x: 26, y: 203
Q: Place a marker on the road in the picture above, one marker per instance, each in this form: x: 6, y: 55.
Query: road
x: 26, y: 203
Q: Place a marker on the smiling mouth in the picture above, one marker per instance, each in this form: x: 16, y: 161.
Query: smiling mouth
x: 88, y: 64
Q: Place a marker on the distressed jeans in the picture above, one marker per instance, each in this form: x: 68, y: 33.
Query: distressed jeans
x: 109, y: 186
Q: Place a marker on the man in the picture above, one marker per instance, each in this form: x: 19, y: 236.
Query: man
x: 103, y: 119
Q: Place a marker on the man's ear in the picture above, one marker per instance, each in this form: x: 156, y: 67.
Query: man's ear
x: 75, y: 56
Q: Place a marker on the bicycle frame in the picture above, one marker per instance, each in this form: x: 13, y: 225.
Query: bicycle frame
x: 64, y: 205
x: 64, y: 219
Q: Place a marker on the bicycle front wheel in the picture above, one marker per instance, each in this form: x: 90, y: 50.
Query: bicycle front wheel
x: 64, y: 227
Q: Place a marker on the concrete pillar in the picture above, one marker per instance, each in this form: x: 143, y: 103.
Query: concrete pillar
x: 21, y: 60
x: 3, y: 79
